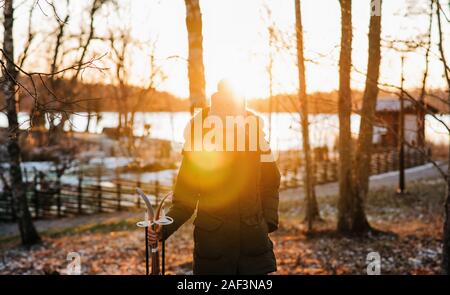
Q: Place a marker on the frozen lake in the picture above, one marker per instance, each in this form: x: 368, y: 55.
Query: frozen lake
x: 285, y: 130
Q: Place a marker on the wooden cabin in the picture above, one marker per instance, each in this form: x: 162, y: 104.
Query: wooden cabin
x: 386, y: 130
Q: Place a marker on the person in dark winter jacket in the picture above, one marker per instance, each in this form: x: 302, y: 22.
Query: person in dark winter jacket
x: 229, y: 178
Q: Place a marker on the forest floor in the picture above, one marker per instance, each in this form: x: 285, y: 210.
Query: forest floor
x: 111, y: 244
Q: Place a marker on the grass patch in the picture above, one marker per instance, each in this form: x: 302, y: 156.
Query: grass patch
x: 111, y: 226
x: 121, y: 225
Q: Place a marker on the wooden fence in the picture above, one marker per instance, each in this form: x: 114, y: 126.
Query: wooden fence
x: 87, y: 198
x: 70, y: 200
x: 326, y: 169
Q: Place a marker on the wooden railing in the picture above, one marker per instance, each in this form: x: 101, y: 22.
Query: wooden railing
x: 70, y: 200
x: 326, y: 170
x: 88, y: 198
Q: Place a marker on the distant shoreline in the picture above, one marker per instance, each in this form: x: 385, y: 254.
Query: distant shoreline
x: 94, y: 98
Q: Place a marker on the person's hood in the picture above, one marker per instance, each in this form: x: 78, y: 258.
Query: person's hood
x: 223, y: 104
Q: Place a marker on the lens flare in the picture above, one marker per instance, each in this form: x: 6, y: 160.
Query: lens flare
x: 233, y: 86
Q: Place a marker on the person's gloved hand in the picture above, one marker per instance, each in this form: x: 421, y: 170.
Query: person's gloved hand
x: 154, y: 235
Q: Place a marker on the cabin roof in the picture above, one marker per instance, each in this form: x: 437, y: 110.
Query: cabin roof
x: 391, y: 104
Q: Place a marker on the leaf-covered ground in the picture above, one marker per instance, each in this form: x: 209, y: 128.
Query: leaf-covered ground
x: 409, y: 241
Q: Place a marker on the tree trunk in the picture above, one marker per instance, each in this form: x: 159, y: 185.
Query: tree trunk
x: 421, y: 110
x: 88, y: 123
x: 446, y: 231
x: 365, y: 141
x: 195, y: 61
x: 312, y: 210
x: 27, y: 230
x: 270, y: 72
x: 344, y: 110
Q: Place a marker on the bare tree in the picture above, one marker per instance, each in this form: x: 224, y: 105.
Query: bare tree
x: 420, y: 112
x: 30, y: 37
x: 446, y: 232
x: 27, y: 230
x: 13, y: 82
x: 365, y: 140
x: 120, y: 41
x: 312, y: 211
x: 69, y: 91
x: 195, y: 60
x: 55, y: 82
x: 345, y: 201
x: 155, y: 78
x: 420, y: 104
x: 272, y: 34
x: 128, y: 99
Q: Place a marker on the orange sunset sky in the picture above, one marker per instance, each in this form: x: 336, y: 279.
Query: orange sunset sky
x: 235, y: 41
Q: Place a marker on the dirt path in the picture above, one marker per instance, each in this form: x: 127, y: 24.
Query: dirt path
x: 10, y: 229
x: 389, y: 179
